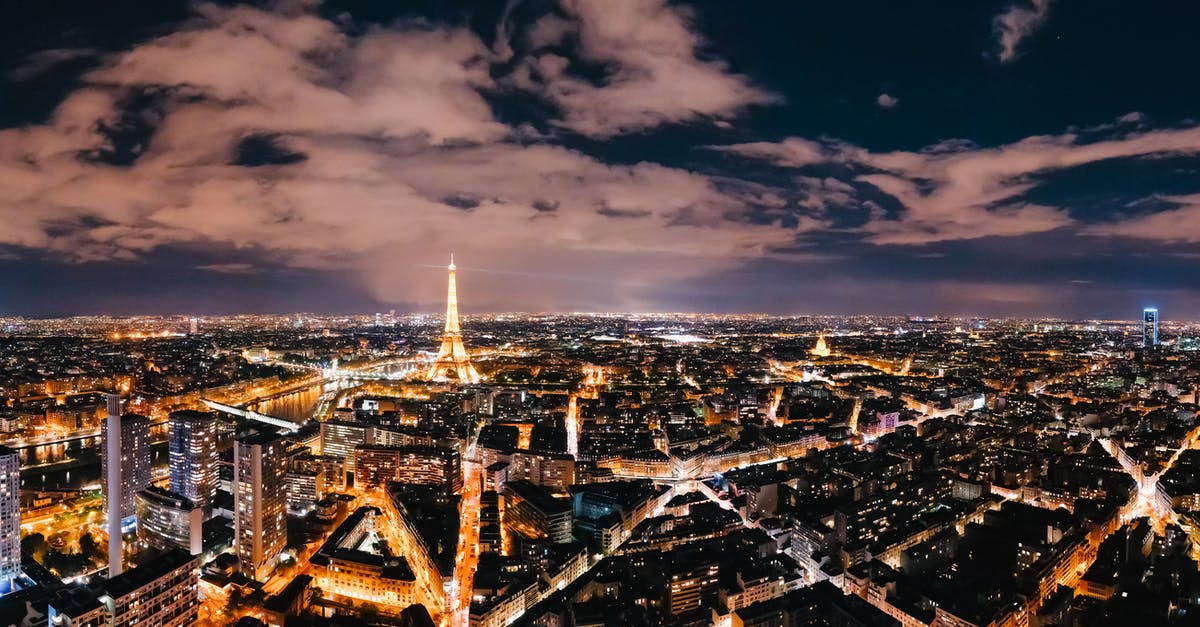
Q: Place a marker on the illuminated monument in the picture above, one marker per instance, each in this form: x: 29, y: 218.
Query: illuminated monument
x: 821, y: 349
x: 452, y: 361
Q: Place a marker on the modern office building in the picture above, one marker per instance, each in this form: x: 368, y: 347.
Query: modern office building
x: 10, y: 519
x: 169, y: 521
x: 192, y: 456
x: 1149, y: 327
x: 260, y: 503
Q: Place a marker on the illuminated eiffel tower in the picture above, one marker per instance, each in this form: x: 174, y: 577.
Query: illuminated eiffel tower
x: 452, y: 361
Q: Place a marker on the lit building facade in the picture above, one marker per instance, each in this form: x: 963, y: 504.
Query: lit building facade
x: 348, y: 565
x: 304, y: 488
x: 133, y: 468
x: 260, y: 503
x: 339, y: 438
x: 1149, y: 327
x: 10, y: 518
x: 168, y: 521
x: 533, y: 513
x: 164, y: 592
x: 419, y: 465
x: 192, y: 456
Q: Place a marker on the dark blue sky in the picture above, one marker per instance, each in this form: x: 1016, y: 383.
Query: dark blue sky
x: 988, y: 158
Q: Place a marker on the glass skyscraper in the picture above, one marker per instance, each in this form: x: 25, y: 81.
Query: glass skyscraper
x: 1149, y: 327
x: 192, y: 456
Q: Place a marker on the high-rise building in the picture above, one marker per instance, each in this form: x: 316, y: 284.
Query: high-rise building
x: 452, y: 360
x: 168, y: 521
x: 192, y: 456
x: 193, y: 326
x: 260, y: 502
x: 125, y: 468
x: 10, y: 518
x: 133, y: 438
x: 1149, y: 327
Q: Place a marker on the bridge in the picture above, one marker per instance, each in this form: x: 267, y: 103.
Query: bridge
x: 249, y: 414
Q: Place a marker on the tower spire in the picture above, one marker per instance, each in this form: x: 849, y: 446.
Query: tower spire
x: 452, y: 359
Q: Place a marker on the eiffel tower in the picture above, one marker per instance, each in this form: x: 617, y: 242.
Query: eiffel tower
x: 452, y: 361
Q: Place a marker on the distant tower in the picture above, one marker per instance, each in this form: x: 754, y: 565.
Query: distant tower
x: 193, y: 326
x: 821, y: 349
x: 1149, y: 327
x: 10, y: 518
x: 452, y: 361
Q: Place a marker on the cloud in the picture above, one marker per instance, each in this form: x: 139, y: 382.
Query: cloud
x: 652, y: 74
x: 955, y: 190
x: 1178, y: 225
x: 358, y: 141
x: 793, y: 152
x: 887, y: 101
x: 1017, y: 23
x: 43, y: 61
x: 229, y: 268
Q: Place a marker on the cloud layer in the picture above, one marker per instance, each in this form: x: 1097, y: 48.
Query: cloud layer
x: 579, y: 154
x: 391, y: 153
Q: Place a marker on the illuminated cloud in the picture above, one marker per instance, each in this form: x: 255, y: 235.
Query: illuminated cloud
x: 1178, y: 225
x: 1016, y: 24
x: 653, y: 74
x: 380, y: 150
x: 958, y: 191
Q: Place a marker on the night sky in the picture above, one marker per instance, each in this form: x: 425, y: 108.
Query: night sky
x: 1036, y: 158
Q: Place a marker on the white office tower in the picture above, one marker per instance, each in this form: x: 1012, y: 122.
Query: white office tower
x: 125, y: 467
x: 10, y: 519
x: 260, y: 502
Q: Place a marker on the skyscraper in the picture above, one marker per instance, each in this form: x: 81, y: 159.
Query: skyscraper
x: 192, y: 456
x: 125, y: 468
x: 260, y: 502
x: 133, y: 444
x: 10, y: 518
x: 452, y: 360
x: 1149, y: 327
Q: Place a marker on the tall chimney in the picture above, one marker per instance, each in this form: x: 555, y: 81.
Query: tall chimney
x: 113, y: 451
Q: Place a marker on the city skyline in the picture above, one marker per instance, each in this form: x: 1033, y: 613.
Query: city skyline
x: 997, y: 158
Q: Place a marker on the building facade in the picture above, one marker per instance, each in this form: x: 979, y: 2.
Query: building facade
x: 260, y: 503
x: 10, y: 518
x: 192, y: 456
x: 133, y: 467
x: 169, y: 521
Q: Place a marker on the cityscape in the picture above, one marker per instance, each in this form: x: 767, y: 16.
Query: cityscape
x: 595, y: 469
x: 599, y: 313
